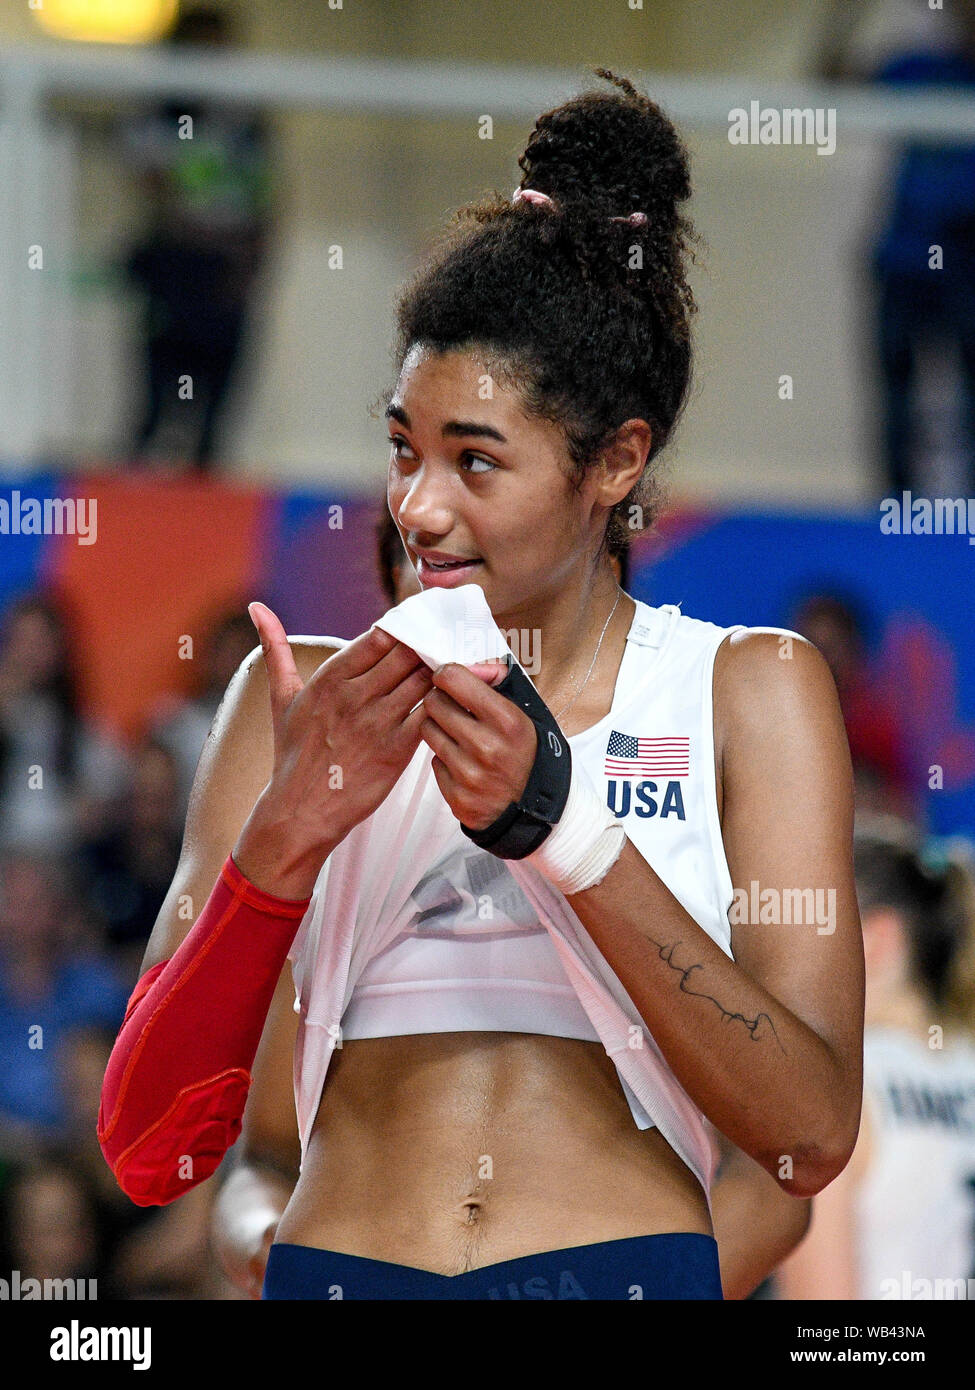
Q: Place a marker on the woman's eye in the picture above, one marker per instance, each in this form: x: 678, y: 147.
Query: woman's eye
x: 398, y: 444
x: 476, y: 458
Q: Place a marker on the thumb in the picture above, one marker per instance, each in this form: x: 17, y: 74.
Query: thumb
x: 492, y: 671
x: 283, y: 680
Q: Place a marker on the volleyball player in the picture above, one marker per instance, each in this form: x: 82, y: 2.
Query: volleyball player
x: 509, y: 1108
x: 899, y: 1221
x: 756, y: 1224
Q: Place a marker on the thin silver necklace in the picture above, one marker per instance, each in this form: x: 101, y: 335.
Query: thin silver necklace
x: 592, y: 665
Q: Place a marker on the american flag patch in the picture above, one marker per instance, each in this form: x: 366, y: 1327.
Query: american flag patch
x: 627, y: 756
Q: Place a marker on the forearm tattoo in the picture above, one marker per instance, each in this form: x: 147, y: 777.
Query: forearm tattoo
x: 758, y: 1028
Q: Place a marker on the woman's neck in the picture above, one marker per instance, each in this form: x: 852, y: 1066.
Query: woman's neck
x: 566, y: 630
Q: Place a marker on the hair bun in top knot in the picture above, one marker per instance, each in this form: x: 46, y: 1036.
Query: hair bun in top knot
x: 616, y: 152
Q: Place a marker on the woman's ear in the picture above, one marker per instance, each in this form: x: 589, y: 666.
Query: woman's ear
x: 623, y: 461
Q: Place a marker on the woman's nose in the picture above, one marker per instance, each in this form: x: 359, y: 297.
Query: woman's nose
x: 425, y: 506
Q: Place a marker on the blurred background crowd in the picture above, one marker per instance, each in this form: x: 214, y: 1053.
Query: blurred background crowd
x: 198, y: 365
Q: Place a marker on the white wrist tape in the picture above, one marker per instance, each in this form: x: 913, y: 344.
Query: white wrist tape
x: 586, y: 843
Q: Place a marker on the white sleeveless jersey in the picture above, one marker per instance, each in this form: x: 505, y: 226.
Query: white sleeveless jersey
x: 915, y: 1209
x: 652, y: 757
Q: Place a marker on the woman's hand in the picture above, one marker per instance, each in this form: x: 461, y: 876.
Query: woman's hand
x: 341, y: 742
x: 484, y: 745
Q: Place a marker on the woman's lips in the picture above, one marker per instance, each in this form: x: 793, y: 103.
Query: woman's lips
x: 447, y: 578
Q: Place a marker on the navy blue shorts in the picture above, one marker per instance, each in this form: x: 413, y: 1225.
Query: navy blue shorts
x: 680, y: 1265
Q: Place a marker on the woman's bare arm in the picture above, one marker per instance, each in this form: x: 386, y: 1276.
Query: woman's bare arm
x: 770, y: 1044
x: 235, y: 767
x: 826, y: 1264
x: 260, y: 1171
x: 756, y: 1224
x: 231, y: 781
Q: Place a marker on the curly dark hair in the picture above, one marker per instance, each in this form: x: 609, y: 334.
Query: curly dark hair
x: 389, y: 553
x: 587, y: 317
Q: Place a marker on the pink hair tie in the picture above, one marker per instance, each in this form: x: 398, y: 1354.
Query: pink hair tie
x: 531, y: 195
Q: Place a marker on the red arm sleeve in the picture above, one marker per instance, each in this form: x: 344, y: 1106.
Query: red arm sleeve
x: 178, y: 1077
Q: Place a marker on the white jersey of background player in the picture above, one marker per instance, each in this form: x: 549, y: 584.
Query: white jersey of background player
x: 899, y: 1221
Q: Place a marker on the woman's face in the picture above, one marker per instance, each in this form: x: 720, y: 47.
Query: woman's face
x: 34, y: 646
x: 52, y: 1226
x: 478, y: 481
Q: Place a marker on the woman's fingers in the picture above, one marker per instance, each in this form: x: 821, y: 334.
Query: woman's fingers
x: 491, y: 672
x: 357, y: 656
x: 372, y: 665
x: 394, y: 663
x: 361, y: 657
x: 283, y: 680
x: 409, y: 730
x: 401, y: 700
x: 383, y: 678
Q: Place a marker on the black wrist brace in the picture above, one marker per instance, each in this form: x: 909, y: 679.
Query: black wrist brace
x: 523, y: 826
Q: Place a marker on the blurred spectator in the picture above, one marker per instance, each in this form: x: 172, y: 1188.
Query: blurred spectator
x: 857, y: 37
x: 62, y: 1215
x: 933, y: 206
x: 144, y: 1251
x: 877, y: 748
x: 208, y: 188
x: 82, y: 1059
x: 169, y: 1255
x: 182, y: 725
x: 49, y: 1226
x: 897, y: 1222
x: 52, y: 979
x: 56, y: 771
x: 128, y: 867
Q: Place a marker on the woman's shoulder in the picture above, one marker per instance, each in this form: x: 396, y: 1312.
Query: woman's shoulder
x: 759, y: 674
x: 309, y: 651
x: 706, y: 632
x: 758, y: 668
x: 239, y: 746
x: 776, y: 705
x: 762, y: 671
